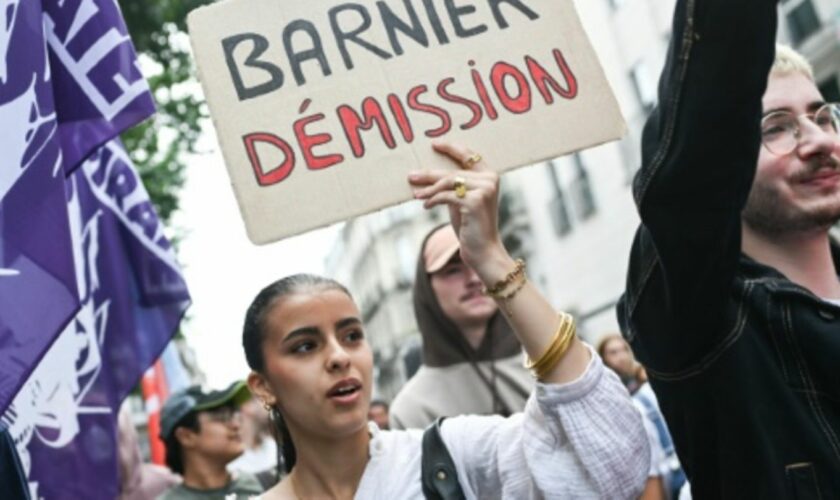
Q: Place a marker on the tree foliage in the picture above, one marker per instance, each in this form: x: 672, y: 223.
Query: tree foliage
x: 160, y: 145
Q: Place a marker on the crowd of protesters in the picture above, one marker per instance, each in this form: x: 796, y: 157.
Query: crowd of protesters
x: 731, y: 307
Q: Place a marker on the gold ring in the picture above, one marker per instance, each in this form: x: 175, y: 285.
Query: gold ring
x: 460, y: 187
x: 472, y: 160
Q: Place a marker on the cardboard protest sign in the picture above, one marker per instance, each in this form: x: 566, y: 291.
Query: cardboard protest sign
x: 323, y: 106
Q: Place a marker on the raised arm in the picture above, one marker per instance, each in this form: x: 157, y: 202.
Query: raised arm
x: 699, y: 153
x: 580, y: 435
x: 474, y: 218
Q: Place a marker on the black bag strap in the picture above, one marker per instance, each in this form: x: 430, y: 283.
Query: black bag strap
x: 438, y: 474
x: 268, y: 478
x: 13, y: 482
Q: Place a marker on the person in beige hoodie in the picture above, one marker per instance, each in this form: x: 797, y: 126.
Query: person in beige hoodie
x: 472, y: 361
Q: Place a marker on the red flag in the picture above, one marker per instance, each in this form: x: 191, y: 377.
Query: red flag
x: 155, y: 392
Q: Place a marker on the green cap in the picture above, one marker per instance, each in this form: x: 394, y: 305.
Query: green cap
x: 194, y: 399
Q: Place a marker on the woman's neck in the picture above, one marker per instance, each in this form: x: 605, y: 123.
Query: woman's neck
x: 329, y: 467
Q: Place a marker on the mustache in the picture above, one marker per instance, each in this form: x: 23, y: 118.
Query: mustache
x: 830, y: 162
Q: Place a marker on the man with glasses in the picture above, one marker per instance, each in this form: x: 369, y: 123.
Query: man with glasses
x: 733, y: 295
x: 201, y: 432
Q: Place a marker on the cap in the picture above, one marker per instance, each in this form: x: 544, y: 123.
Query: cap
x: 193, y: 399
x: 440, y: 247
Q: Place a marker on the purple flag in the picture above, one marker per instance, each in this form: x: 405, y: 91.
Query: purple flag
x: 37, y: 278
x: 90, y: 292
x: 99, y: 90
x: 68, y: 83
x: 133, y: 296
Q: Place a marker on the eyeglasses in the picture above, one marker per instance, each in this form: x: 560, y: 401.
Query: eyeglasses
x: 223, y: 414
x: 781, y: 130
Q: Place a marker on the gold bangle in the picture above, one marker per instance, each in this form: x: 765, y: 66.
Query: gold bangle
x: 547, y: 363
x: 495, y: 290
x: 541, y: 372
x: 559, y: 346
x: 562, y: 347
x: 557, y: 341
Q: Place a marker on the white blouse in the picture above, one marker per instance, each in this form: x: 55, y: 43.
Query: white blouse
x: 582, y: 439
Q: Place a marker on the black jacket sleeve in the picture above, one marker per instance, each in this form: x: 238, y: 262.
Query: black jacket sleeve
x: 699, y: 153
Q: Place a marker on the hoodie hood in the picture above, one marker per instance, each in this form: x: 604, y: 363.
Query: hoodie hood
x: 443, y: 343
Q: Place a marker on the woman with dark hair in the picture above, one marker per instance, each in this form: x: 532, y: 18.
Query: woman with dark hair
x: 579, y: 435
x: 472, y: 360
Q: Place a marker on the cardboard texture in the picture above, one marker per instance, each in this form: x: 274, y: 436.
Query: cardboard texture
x: 322, y: 107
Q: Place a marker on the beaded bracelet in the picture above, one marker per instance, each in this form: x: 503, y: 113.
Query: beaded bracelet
x: 507, y: 297
x: 495, y: 290
x: 560, y: 344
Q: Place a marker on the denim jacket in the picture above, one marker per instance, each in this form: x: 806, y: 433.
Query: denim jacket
x: 745, y: 363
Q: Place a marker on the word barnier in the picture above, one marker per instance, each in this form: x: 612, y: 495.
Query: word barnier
x: 339, y: 16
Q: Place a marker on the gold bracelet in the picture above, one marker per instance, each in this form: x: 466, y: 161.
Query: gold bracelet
x: 495, y: 290
x: 541, y: 372
x: 562, y: 347
x: 506, y: 298
x: 549, y: 360
x: 559, y: 346
x: 557, y: 341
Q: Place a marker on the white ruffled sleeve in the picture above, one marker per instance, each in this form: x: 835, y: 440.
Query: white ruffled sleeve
x: 582, y: 439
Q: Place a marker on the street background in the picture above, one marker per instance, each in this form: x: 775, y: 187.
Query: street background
x: 571, y: 219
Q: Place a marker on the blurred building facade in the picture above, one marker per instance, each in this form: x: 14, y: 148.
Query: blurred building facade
x: 581, y: 205
x: 813, y: 28
x: 572, y: 218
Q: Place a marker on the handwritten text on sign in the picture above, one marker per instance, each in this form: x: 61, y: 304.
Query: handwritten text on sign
x: 321, y: 106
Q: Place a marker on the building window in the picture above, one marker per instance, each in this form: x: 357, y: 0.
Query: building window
x: 514, y: 245
x: 405, y: 261
x: 644, y: 85
x: 557, y: 206
x: 802, y: 19
x: 830, y: 89
x: 513, y: 221
x: 581, y: 189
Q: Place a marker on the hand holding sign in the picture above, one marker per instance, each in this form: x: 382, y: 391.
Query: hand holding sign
x: 322, y: 107
x: 474, y: 212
